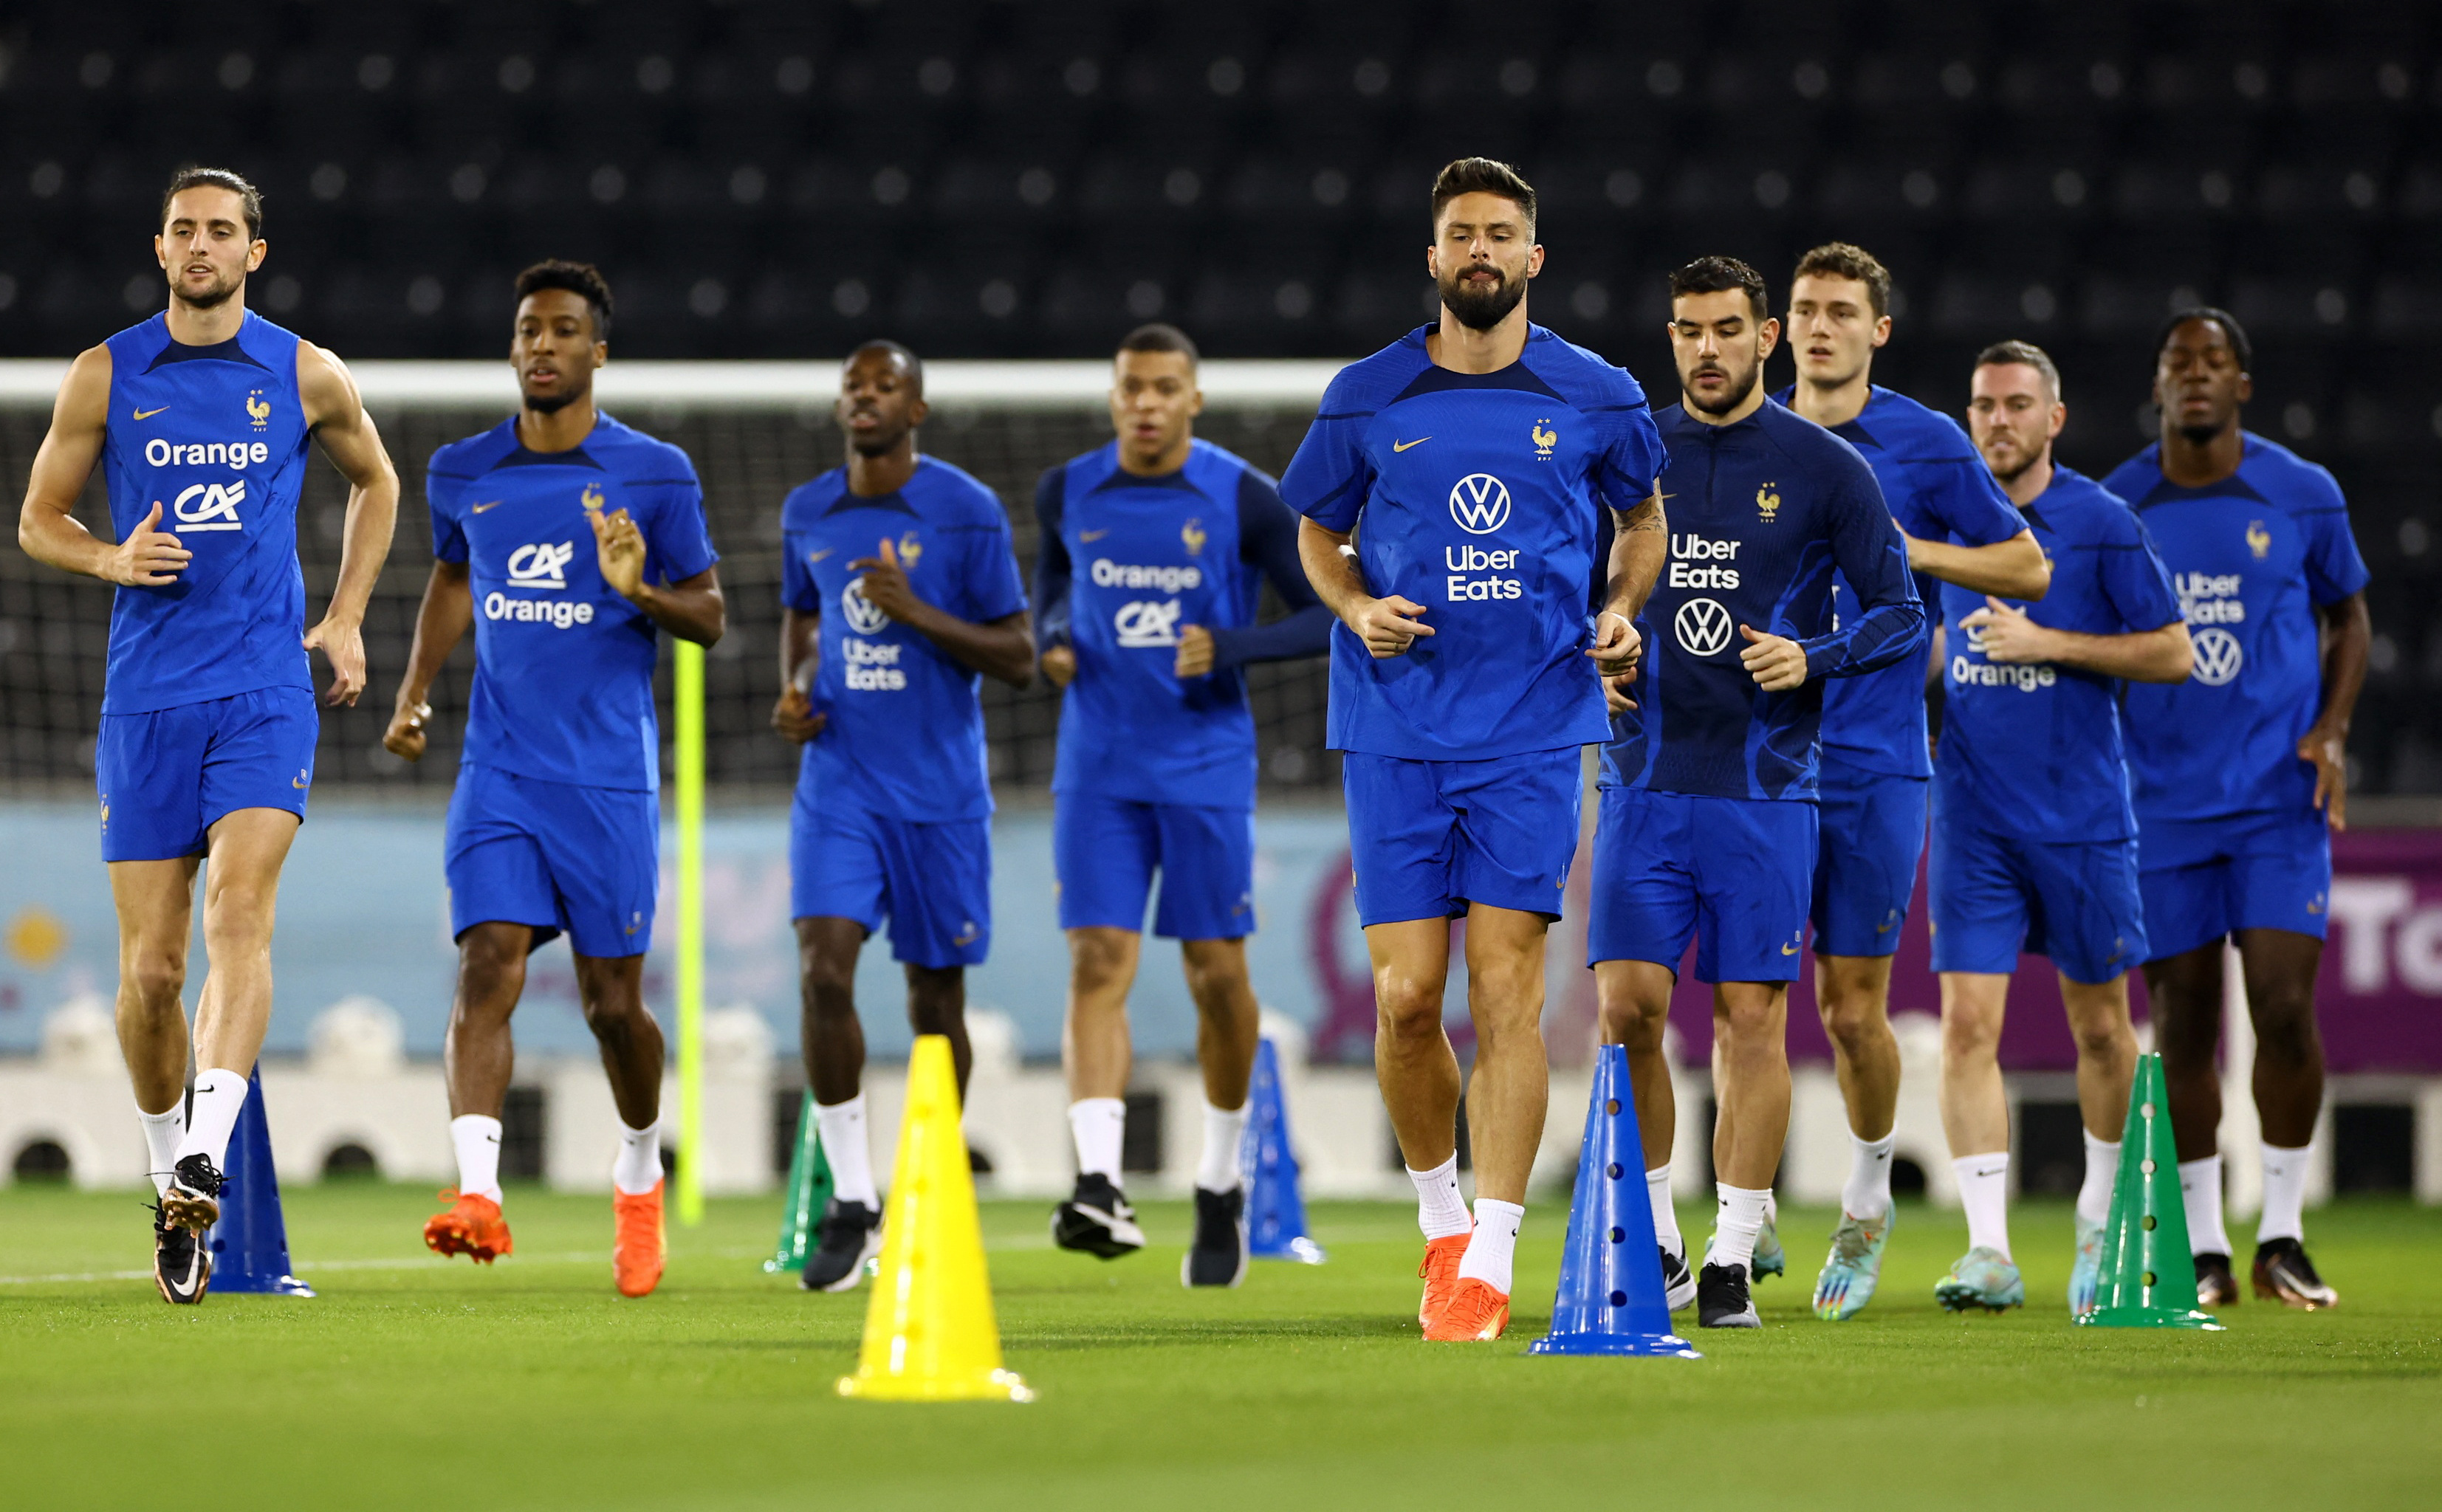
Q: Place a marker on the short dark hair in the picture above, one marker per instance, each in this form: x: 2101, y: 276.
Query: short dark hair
x: 1711, y: 275
x: 1161, y: 336
x: 2230, y: 329
x: 581, y: 278
x: 1846, y: 260
x: 197, y: 176
x: 2001, y: 354
x: 908, y: 359
x: 1482, y: 175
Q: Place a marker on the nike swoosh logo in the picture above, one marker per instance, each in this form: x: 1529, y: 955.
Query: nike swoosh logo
x: 1882, y: 929
x: 815, y: 556
x: 1992, y: 1173
x: 1093, y: 534
x: 476, y: 509
x: 297, y: 782
x: 1402, y: 446
x: 1789, y: 950
x: 147, y: 415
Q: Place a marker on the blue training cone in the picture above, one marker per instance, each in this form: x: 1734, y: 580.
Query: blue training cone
x: 1275, y: 1212
x: 250, y: 1245
x: 1609, y: 1299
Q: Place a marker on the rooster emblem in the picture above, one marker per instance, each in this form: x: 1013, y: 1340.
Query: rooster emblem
x: 258, y: 408
x: 2259, y: 539
x: 1192, y: 533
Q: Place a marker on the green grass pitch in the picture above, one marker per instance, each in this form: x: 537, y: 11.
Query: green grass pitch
x: 412, y: 1383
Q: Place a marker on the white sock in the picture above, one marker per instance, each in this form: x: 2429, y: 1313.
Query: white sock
x: 1493, y: 1247
x: 1666, y: 1217
x: 1100, y: 1126
x: 2285, y: 1196
x: 2102, y: 1172
x: 1225, y: 1129
x: 1737, y: 1217
x: 849, y: 1150
x: 638, y: 1170
x: 1440, y: 1210
x: 219, y: 1097
x: 2200, y: 1193
x: 1984, y: 1192
x: 1867, y: 1193
x: 162, y: 1132
x: 477, y: 1140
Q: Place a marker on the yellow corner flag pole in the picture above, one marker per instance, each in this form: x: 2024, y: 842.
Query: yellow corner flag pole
x: 689, y: 703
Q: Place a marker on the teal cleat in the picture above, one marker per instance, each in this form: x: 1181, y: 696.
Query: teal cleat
x: 1981, y: 1278
x: 2086, y: 1272
x: 1855, y: 1264
x: 1770, y: 1258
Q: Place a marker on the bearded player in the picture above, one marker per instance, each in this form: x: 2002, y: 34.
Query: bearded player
x: 1451, y: 486
x: 570, y: 541
x: 199, y: 417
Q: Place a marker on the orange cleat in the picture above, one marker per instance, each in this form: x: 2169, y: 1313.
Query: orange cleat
x: 472, y: 1227
x: 1440, y: 1272
x: 638, y: 1245
x: 1476, y: 1313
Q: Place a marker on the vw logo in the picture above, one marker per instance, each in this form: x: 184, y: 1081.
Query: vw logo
x: 861, y: 617
x: 2218, y: 657
x: 1480, y: 504
x: 1703, y: 625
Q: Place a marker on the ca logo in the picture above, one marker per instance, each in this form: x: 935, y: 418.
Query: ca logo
x: 209, y: 506
x: 541, y: 565
x: 1148, y: 622
x: 1480, y: 504
x: 2218, y: 657
x: 862, y: 616
x: 1702, y: 626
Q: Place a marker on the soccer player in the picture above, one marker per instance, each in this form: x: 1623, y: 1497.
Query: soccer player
x: 2241, y: 776
x: 1476, y: 452
x: 1708, y: 818
x: 2034, y: 846
x: 1876, y: 770
x: 898, y: 590
x: 569, y: 541
x: 199, y: 417
x: 1155, y: 549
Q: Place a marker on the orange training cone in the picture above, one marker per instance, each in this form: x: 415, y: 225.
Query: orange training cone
x: 929, y: 1335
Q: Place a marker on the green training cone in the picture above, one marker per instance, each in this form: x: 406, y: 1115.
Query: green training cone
x: 810, y: 1191
x: 2149, y: 1278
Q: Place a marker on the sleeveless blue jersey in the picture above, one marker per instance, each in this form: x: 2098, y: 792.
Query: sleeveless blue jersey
x: 216, y: 436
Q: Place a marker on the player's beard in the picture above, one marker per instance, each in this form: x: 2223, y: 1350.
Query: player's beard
x: 1733, y: 396
x: 1480, y: 309
x: 552, y: 403
x: 2201, y: 435
x: 212, y: 298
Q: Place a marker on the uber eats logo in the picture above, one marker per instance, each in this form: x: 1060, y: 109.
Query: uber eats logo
x: 1479, y: 502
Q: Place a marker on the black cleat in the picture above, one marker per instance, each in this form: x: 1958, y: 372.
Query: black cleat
x: 182, y: 1264
x: 193, y: 1200
x: 848, y: 1235
x: 2284, y: 1274
x: 1218, y: 1256
x: 1097, y: 1220
x: 1678, y: 1286
x: 1721, y: 1299
x: 2216, y: 1285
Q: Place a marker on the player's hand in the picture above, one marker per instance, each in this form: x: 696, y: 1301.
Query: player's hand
x: 1060, y: 667
x: 1615, y: 697
x: 2008, y: 635
x: 147, y: 557
x: 1196, y: 652
x: 1776, y: 662
x: 886, y: 584
x: 619, y: 547
x: 1389, y: 626
x: 404, y: 736
x: 1617, y: 646
x: 1915, y: 547
x: 2327, y: 754
x: 795, y: 716
x: 343, y: 642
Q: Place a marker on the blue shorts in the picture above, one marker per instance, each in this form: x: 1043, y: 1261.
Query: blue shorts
x: 166, y: 777
x: 2201, y: 881
x: 556, y: 856
x: 1105, y: 852
x: 1994, y: 895
x: 1431, y: 837
x: 1872, y: 834
x: 932, y: 882
x: 1730, y: 872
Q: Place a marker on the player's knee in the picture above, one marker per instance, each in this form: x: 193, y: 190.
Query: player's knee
x: 616, y: 1015
x: 829, y: 983
x: 1637, y: 1025
x: 2285, y: 1031
x: 1214, y: 967
x: 1968, y: 1037
x: 1748, y: 1026
x: 158, y: 976
x: 1406, y: 1008
x: 937, y: 1000
x: 1097, y: 958
x: 1856, y: 1021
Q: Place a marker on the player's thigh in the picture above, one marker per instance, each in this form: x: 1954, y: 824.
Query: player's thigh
x: 603, y: 847
x: 938, y: 891
x: 155, y: 901
x: 836, y: 863
x: 1410, y: 958
x: 1978, y: 896
x: 148, y: 771
x: 1871, y: 833
x: 1753, y: 883
x: 1642, y: 891
x: 2090, y: 917
x: 1208, y: 872
x: 2281, y: 876
x: 1402, y: 840
x: 1103, y: 855
x: 260, y: 753
x: 492, y: 860
x: 1517, y: 828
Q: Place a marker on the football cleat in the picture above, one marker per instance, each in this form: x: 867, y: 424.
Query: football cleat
x: 192, y: 1201
x: 1440, y: 1273
x: 1097, y: 1220
x: 2216, y: 1285
x: 1218, y: 1256
x: 1678, y: 1282
x: 639, y: 1245
x: 472, y: 1227
x: 182, y: 1263
x: 2086, y: 1272
x: 1476, y: 1313
x: 1770, y: 1258
x: 1984, y: 1278
x: 2284, y: 1274
x: 1723, y: 1300
x: 1846, y: 1283
x: 848, y: 1235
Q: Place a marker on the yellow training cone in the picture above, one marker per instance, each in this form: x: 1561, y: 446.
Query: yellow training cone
x: 929, y: 1336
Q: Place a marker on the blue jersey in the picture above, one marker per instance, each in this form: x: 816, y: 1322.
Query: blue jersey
x: 2252, y: 558
x: 1939, y: 489
x: 2034, y: 749
x: 1126, y: 564
x: 1481, y: 497
x: 1762, y: 512
x: 216, y: 436
x: 905, y: 736
x: 564, y: 663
